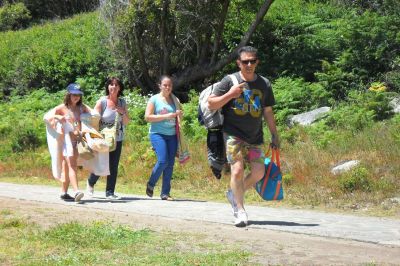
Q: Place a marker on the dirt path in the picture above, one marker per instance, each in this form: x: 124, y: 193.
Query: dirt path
x: 269, y: 247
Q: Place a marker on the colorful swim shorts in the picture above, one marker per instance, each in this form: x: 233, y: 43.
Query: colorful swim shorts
x: 236, y: 149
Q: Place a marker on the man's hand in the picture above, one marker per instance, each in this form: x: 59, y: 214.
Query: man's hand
x: 236, y: 90
x: 275, y: 144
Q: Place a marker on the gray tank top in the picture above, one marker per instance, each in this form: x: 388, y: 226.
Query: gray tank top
x: 108, y: 117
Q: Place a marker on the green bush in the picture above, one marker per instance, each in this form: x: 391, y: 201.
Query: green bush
x: 294, y: 96
x: 357, y: 179
x: 14, y: 17
x: 45, y: 9
x: 360, y: 110
x: 53, y: 55
x: 297, y: 35
x: 25, y: 139
x: 392, y: 79
x: 192, y: 127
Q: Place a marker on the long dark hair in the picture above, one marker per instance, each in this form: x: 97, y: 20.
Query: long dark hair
x: 67, y: 100
x: 119, y: 82
x: 164, y: 77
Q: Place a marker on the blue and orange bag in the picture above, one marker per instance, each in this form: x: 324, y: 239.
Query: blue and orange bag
x: 270, y: 186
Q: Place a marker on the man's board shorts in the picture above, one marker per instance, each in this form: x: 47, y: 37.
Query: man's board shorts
x: 237, y: 149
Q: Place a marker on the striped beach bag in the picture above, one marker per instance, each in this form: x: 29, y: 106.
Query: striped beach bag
x: 270, y: 186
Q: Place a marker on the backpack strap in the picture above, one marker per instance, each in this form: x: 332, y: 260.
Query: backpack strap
x: 234, y: 79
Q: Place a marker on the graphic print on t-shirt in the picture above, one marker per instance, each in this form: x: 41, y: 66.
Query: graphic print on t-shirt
x: 248, y: 102
x: 169, y: 121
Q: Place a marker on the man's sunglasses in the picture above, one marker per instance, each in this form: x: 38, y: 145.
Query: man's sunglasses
x: 246, y: 62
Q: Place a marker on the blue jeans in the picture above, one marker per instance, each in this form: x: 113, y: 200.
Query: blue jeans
x: 112, y: 177
x: 165, y: 147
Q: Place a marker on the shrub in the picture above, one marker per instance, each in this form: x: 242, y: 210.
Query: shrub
x: 295, y: 95
x: 25, y: 139
x: 392, y: 79
x: 53, y: 55
x: 288, y: 179
x: 356, y: 179
x: 45, y: 9
x: 360, y: 110
x: 191, y: 126
x: 14, y: 17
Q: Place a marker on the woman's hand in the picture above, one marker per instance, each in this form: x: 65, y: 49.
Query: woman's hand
x: 120, y: 110
x: 179, y: 113
x: 171, y: 115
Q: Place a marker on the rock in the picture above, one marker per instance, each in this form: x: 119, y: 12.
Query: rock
x: 395, y: 104
x: 395, y: 200
x: 308, y: 118
x: 344, y: 167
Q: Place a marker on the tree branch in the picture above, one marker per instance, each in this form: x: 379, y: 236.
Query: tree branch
x: 199, y: 72
x: 142, y: 59
x: 219, y: 31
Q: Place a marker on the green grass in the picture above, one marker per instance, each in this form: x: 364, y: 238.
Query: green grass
x: 101, y: 243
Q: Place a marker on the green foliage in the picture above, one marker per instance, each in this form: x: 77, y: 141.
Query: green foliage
x: 288, y: 179
x: 294, y: 96
x: 321, y: 135
x: 372, y: 44
x: 137, y: 129
x: 357, y: 179
x: 53, y: 55
x: 297, y: 36
x: 361, y: 110
x: 48, y: 9
x: 392, y: 79
x: 337, y: 81
x: 191, y: 126
x: 22, y: 127
x: 25, y: 139
x: 14, y: 16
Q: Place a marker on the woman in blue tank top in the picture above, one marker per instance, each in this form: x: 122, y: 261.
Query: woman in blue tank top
x: 161, y: 112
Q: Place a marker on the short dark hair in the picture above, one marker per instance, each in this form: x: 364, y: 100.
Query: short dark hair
x: 119, y: 82
x: 247, y: 49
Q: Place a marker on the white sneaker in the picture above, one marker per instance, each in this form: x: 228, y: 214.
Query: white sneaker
x: 231, y: 199
x: 241, y: 219
x: 113, y: 197
x: 89, y: 189
x: 78, y: 196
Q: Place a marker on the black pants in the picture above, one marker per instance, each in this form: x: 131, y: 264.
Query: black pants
x: 112, y: 177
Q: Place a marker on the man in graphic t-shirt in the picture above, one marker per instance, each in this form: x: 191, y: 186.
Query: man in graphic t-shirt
x: 244, y: 106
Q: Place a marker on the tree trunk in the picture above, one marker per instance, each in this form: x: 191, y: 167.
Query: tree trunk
x: 165, y: 54
x: 219, y: 31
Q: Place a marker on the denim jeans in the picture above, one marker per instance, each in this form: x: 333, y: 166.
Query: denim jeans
x: 112, y: 177
x: 165, y: 147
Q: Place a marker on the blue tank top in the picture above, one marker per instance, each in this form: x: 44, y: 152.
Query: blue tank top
x: 165, y: 127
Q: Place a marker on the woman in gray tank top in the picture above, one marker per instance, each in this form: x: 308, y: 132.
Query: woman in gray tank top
x: 108, y: 106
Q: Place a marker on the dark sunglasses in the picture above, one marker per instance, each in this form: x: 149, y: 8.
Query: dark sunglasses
x: 246, y: 62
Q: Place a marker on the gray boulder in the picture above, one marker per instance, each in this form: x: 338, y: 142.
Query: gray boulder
x: 395, y: 104
x: 344, y: 167
x: 308, y: 118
